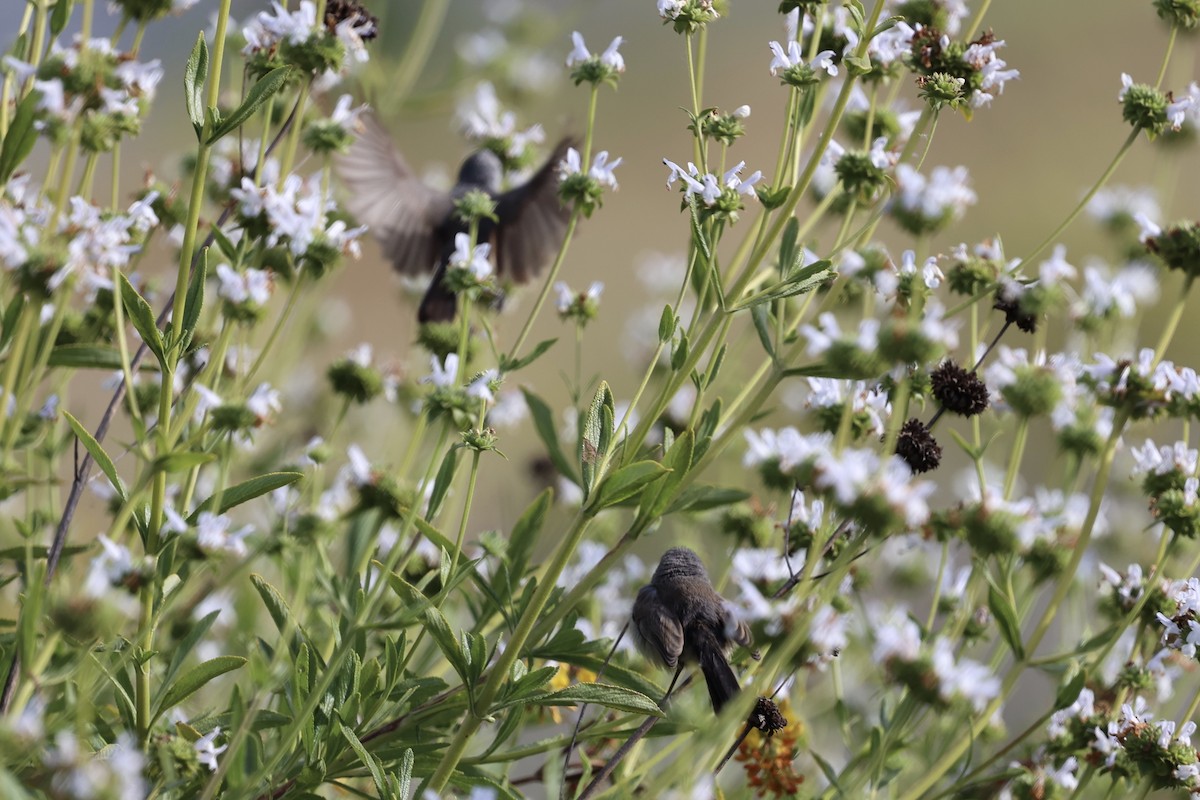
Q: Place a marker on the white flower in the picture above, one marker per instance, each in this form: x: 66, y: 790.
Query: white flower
x: 602, y: 171
x: 265, y: 402
x: 343, y: 115
x: 108, y: 569
x: 213, y: 535
x: 708, y: 187
x: 473, y: 260
x: 206, y: 751
x: 610, y: 58
x: 442, y: 374
x: 670, y: 9
x: 483, y: 386
x: 509, y: 410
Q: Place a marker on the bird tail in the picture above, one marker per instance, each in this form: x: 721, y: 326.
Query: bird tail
x: 722, y: 683
x: 439, y: 303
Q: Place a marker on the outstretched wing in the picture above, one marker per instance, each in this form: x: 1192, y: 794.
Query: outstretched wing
x: 532, y: 222
x: 384, y: 194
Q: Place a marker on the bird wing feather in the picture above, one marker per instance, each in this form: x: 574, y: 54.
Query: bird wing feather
x: 533, y: 222
x: 657, y: 631
x: 384, y: 194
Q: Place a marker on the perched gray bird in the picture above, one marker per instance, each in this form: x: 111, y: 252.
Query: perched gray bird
x: 416, y: 223
x: 680, y: 619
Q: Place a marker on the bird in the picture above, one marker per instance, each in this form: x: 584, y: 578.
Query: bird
x: 678, y: 618
x: 416, y: 224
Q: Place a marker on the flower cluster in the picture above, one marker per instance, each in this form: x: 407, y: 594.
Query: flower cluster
x: 109, y: 92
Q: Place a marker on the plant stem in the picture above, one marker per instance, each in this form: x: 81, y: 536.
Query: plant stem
x: 500, y: 672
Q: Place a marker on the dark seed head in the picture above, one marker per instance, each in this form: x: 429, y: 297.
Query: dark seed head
x: 767, y: 717
x: 959, y: 391
x: 917, y: 447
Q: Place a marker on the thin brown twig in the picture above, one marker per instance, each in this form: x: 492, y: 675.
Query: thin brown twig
x: 582, y: 708
x: 625, y: 748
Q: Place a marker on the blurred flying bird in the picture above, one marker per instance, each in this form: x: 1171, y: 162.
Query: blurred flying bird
x: 416, y: 223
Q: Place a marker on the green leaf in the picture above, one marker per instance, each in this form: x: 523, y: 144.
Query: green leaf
x: 406, y: 772
x: 195, y: 74
x: 543, y: 423
x: 627, y: 482
x: 259, y: 93
x: 227, y: 248
x: 195, y: 299
x: 703, y: 498
x: 39, y: 551
x: 246, y: 491
x: 181, y: 651
x: 597, y: 433
x: 369, y: 761
x: 101, y: 458
x: 88, y: 356
x: 180, y: 462
x: 441, y: 483
x: 787, y: 245
x: 602, y: 694
x: 21, y: 136
x: 678, y: 460
x: 142, y: 317
x: 1006, y: 620
x: 1068, y: 693
x: 666, y: 324
x: 60, y: 17
x: 679, y: 353
x: 525, y: 531
x: 195, y: 678
x: 276, y: 606
x: 761, y: 316
x: 513, y: 364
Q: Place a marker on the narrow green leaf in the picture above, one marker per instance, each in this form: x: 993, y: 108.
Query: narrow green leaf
x: 1068, y: 693
x: 596, y: 434
x: 1006, y: 620
x: 602, y: 694
x: 525, y: 531
x: 762, y: 325
x: 441, y: 483
x: 259, y: 93
x: 547, y: 431
x: 195, y: 74
x: 227, y: 247
x: 181, y: 651
x: 60, y: 17
x: 627, y: 482
x: 101, y: 458
x: 142, y: 317
x: 195, y: 298
x: 677, y: 461
x: 703, y: 498
x: 39, y: 551
x: 195, y: 679
x: 21, y: 136
x: 787, y: 245
x: 406, y: 772
x: 246, y: 491
x: 513, y: 364
x: 666, y: 324
x: 88, y: 356
x: 679, y: 353
x: 180, y: 462
x: 276, y: 606
x: 369, y: 761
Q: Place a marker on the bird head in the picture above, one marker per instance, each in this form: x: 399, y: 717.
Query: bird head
x: 483, y: 170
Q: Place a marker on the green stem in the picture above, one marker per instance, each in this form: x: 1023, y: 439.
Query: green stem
x: 500, y: 672
x: 1162, y: 71
x: 546, y: 286
x: 1112, y: 167
x: 1168, y: 332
